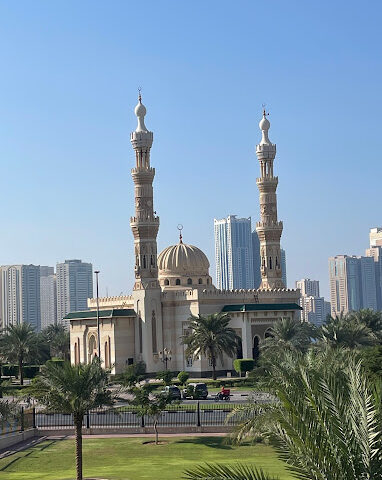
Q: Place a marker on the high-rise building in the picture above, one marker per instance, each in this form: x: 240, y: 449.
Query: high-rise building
x: 352, y: 283
x: 20, y: 295
x: 283, y: 266
x: 74, y: 287
x: 376, y: 254
x: 308, y: 287
x: 256, y: 259
x: 234, y: 253
x: 314, y: 308
x: 269, y: 228
x: 375, y: 236
x: 48, y: 296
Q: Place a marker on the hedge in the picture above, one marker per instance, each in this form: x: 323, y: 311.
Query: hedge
x: 244, y: 364
x: 30, y: 371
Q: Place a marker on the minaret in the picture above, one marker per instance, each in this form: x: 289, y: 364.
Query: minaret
x: 269, y: 229
x: 144, y: 224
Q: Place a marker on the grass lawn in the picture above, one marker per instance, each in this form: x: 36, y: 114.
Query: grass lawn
x: 132, y: 459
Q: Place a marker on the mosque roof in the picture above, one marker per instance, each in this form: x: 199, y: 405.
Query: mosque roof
x: 249, y: 307
x: 183, y: 259
x: 113, y: 312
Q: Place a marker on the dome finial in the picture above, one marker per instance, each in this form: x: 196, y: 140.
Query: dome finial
x: 140, y: 112
x: 264, y: 126
x: 180, y: 228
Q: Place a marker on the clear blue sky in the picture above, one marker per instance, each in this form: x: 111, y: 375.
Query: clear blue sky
x: 69, y: 77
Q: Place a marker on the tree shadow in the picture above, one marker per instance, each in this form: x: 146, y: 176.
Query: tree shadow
x: 212, y: 442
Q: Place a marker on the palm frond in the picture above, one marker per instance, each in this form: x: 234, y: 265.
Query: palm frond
x: 227, y: 472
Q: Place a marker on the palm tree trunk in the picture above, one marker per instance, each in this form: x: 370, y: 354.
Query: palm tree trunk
x: 21, y: 371
x: 78, y: 423
x: 213, y: 368
x: 156, y: 431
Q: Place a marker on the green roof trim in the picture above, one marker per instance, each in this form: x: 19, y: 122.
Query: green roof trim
x: 251, y: 307
x: 114, y: 312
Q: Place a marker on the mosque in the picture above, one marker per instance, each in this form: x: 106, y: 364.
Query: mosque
x: 148, y: 324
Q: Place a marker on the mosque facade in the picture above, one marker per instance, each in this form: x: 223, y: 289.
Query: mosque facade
x: 148, y: 324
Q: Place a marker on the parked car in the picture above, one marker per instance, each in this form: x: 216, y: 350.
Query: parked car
x: 173, y: 391
x: 195, y: 391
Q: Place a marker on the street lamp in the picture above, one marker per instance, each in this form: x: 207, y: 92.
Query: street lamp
x: 165, y: 356
x: 98, y: 334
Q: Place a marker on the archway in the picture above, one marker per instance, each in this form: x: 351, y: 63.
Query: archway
x: 93, y: 348
x: 255, y: 348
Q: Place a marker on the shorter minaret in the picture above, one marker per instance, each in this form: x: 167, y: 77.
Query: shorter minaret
x: 145, y: 223
x: 269, y: 229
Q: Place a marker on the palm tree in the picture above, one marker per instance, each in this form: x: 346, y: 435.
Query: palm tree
x: 371, y: 319
x: 346, y: 331
x: 326, y: 423
x: 289, y: 334
x: 19, y: 343
x: 57, y: 337
x: 73, y: 389
x: 211, y: 336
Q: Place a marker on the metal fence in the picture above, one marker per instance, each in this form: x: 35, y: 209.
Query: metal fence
x: 18, y: 422
x: 129, y: 417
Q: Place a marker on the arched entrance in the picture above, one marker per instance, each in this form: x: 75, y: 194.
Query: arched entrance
x: 93, y: 348
x: 239, y: 350
x: 255, y: 347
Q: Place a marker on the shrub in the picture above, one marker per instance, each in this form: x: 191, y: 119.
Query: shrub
x: 30, y: 371
x: 183, y: 377
x: 166, y: 376
x: 242, y: 365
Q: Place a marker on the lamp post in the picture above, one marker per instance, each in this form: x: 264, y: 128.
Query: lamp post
x: 165, y: 356
x: 98, y: 334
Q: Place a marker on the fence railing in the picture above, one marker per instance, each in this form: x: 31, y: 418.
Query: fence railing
x: 129, y: 417
x: 18, y: 422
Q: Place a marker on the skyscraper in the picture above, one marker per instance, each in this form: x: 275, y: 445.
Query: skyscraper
x: 48, y: 296
x: 375, y: 236
x: 74, y: 286
x: 352, y: 283
x: 20, y: 295
x: 314, y: 308
x: 308, y: 287
x: 234, y: 253
x: 376, y: 254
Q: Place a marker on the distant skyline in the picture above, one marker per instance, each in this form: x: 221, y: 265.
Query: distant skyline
x: 70, y: 73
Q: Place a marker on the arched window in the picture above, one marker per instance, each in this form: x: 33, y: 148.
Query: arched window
x: 177, y: 281
x: 167, y: 282
x: 277, y: 263
x: 189, y: 281
x: 239, y: 350
x: 144, y: 261
x: 270, y: 263
x: 208, y: 281
x: 200, y: 281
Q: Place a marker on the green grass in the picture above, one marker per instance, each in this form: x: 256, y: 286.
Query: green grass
x: 132, y: 459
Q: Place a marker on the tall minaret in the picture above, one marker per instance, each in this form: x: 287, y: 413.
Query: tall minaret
x: 269, y: 229
x: 144, y: 224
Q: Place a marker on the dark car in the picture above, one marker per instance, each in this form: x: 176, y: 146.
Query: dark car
x: 173, y: 391
x: 196, y: 391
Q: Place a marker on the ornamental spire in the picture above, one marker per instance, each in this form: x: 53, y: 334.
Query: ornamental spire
x: 140, y: 112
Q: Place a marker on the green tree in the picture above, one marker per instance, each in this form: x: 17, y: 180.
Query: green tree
x: 150, y: 404
x: 166, y: 376
x: 289, y: 334
x: 211, y: 336
x: 20, y: 344
x: 326, y: 423
x: 371, y: 319
x: 183, y: 377
x: 133, y: 374
x: 74, y: 389
x: 346, y: 331
x: 58, y: 340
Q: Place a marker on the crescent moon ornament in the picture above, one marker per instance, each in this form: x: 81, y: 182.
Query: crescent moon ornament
x: 180, y: 228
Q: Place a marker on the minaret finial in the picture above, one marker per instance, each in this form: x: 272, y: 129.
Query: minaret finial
x: 140, y: 112
x: 265, y: 113
x: 180, y: 228
x: 140, y: 94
